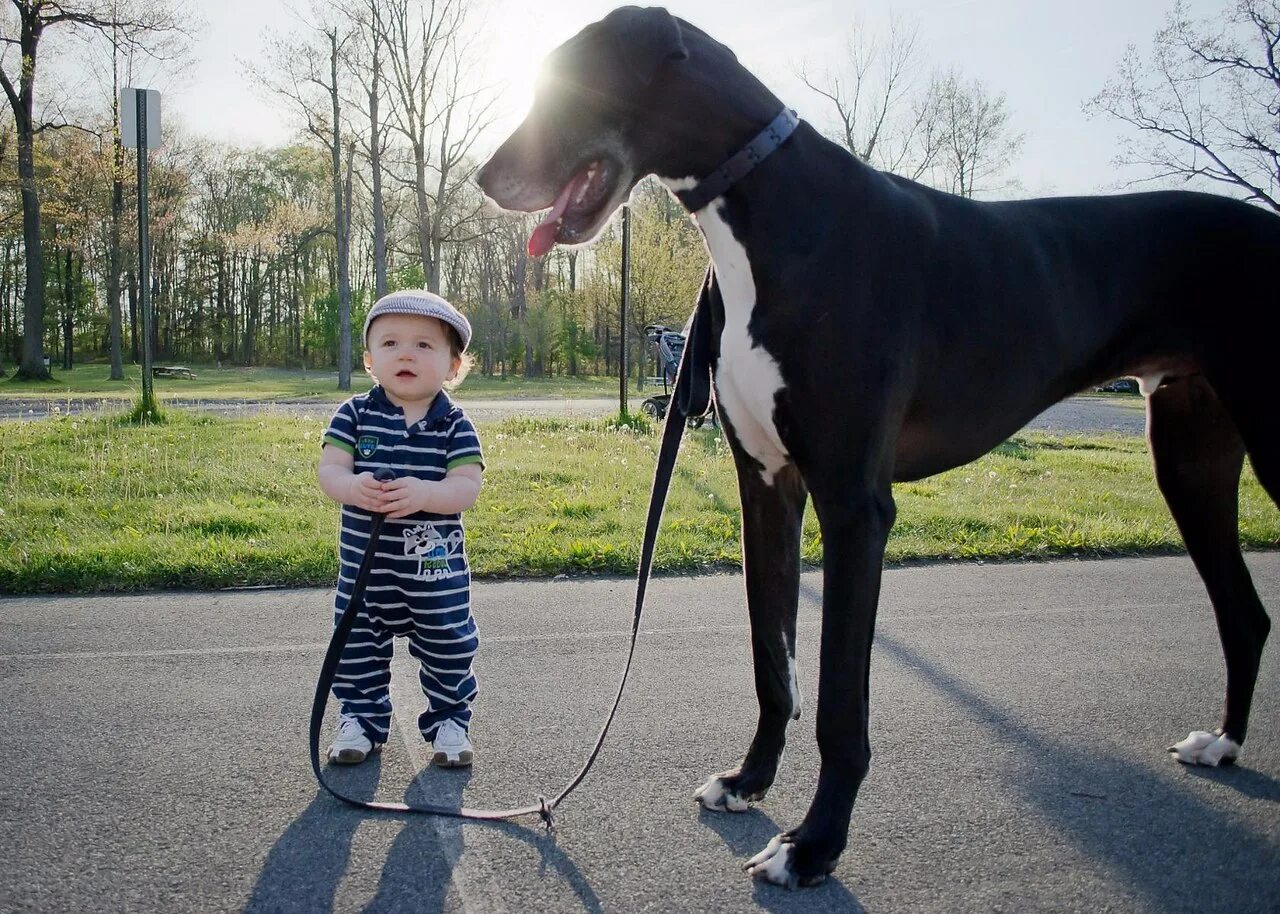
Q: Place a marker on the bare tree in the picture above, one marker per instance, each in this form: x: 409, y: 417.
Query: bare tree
x: 975, y: 141
x: 304, y: 69
x: 872, y: 97
x: 1206, y: 103
x: 950, y: 132
x: 418, y: 36
x: 366, y: 63
x: 129, y: 24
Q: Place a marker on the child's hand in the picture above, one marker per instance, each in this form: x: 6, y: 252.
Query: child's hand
x: 405, y: 495
x: 366, y: 492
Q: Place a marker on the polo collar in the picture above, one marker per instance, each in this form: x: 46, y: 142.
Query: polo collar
x: 439, y: 409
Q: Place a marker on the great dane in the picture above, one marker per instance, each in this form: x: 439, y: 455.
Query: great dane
x: 871, y: 330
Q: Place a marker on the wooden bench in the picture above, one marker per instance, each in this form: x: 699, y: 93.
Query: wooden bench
x: 172, y: 371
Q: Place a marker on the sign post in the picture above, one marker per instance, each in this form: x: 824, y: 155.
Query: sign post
x: 140, y: 128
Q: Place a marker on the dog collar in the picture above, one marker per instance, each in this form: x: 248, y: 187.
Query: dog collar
x: 741, y: 163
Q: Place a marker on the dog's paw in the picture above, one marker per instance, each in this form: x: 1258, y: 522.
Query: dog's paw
x: 779, y: 863
x: 1204, y: 748
x: 773, y: 864
x: 720, y: 793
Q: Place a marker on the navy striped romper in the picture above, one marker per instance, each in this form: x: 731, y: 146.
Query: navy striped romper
x: 420, y: 584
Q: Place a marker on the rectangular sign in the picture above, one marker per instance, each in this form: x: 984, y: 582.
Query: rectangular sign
x: 129, y: 118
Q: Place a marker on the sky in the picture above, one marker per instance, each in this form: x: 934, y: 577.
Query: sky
x: 1047, y: 58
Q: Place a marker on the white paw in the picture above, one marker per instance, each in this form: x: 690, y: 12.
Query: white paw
x: 773, y: 864
x: 1204, y: 748
x: 715, y: 795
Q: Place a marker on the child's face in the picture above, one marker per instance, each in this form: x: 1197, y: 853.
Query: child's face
x: 410, y: 356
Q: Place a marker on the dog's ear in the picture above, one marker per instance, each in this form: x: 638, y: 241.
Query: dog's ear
x: 648, y: 37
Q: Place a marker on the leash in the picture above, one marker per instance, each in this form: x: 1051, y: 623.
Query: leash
x: 692, y: 397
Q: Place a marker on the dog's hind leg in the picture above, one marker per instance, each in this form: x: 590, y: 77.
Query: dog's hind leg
x: 1198, y: 454
x: 772, y: 515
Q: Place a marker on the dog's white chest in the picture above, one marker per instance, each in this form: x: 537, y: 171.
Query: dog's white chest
x: 747, y: 377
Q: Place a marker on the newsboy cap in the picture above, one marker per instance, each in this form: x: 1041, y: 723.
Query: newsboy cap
x: 424, y: 304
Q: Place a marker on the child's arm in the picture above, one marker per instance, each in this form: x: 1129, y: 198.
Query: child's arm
x: 455, y: 493
x: 340, y: 483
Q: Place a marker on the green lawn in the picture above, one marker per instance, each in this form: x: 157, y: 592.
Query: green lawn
x: 90, y: 504
x: 93, y: 382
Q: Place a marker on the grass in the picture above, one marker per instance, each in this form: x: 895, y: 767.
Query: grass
x: 96, y: 504
x: 92, y: 382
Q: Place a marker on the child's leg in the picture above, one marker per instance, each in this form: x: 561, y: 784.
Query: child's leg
x: 362, y: 683
x: 445, y: 653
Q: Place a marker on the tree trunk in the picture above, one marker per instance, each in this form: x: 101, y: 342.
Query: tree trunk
x: 341, y: 225
x: 424, y: 214
x: 131, y: 283
x: 33, y: 295
x: 117, y: 211
x: 375, y: 164
x: 69, y: 304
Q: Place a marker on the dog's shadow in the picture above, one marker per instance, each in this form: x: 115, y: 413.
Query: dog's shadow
x: 1166, y: 854
x: 745, y: 834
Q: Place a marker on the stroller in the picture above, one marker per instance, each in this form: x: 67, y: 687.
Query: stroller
x: 670, y: 346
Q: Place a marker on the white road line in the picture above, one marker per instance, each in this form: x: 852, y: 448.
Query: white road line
x: 889, y: 620
x: 407, y: 698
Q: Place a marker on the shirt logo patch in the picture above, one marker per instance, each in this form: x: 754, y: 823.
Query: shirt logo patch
x: 367, y: 445
x: 432, y: 550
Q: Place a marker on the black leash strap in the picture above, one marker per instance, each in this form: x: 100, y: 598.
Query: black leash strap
x: 692, y: 397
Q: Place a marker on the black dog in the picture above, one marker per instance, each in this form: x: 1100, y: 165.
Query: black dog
x: 872, y: 330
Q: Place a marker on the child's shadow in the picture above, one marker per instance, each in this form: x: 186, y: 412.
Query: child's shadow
x: 305, y: 866
x: 419, y: 867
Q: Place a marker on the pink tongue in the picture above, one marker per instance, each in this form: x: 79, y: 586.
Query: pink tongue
x: 543, y: 238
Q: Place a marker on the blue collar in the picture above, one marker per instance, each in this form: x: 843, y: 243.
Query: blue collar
x: 740, y: 163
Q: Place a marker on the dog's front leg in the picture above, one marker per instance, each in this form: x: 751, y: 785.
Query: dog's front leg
x: 772, y: 516
x: 855, y: 528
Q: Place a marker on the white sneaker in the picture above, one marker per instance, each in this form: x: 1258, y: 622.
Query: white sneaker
x: 451, y: 748
x: 351, y: 747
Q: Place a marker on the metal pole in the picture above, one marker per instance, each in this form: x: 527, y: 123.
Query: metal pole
x: 144, y: 254
x: 626, y: 298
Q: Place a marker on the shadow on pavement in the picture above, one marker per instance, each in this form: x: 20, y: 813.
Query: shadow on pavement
x: 746, y: 834
x: 420, y: 864
x: 304, y: 869
x: 552, y: 859
x: 305, y: 866
x: 1168, y: 844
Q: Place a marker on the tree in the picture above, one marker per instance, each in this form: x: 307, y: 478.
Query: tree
x: 367, y: 66
x: 872, y: 97
x: 1206, y: 103
x: 306, y: 72
x: 418, y: 37
x: 950, y: 133
x: 33, y: 18
x: 975, y: 142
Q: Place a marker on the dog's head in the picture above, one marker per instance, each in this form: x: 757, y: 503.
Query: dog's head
x: 638, y: 92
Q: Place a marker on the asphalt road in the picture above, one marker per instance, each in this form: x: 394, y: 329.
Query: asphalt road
x: 155, y: 754
x: 1077, y: 415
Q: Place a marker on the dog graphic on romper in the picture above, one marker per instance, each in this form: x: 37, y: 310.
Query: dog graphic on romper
x: 432, y: 549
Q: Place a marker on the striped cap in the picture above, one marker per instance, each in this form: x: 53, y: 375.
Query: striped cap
x: 423, y: 303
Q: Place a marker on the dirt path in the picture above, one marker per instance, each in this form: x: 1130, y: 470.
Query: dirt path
x: 1077, y: 415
